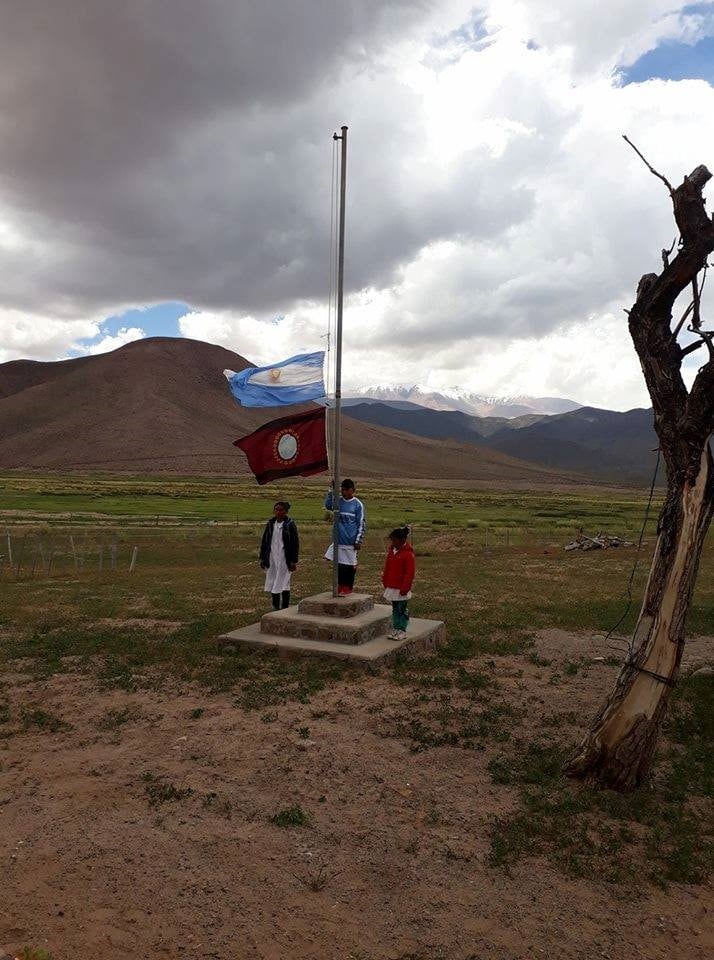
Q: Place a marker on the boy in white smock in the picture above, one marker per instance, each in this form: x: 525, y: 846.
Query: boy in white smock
x: 351, y: 528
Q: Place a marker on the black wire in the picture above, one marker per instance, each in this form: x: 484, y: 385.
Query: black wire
x: 637, y: 555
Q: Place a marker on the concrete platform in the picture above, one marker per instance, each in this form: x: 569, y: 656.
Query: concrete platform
x: 325, y: 605
x: 357, y: 629
x: 421, y: 635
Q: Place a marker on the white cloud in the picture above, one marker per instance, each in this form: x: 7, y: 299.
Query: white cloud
x: 36, y: 337
x: 598, y: 35
x: 592, y: 362
x: 497, y: 223
x: 122, y: 336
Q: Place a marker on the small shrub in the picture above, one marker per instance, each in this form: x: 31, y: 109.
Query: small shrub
x: 159, y: 790
x: 114, y: 718
x: 291, y: 817
x: 42, y: 720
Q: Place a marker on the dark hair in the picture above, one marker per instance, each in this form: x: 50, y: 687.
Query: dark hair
x: 285, y: 504
x: 400, y: 533
x: 347, y: 483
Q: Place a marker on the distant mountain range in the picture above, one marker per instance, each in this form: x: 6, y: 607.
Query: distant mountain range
x: 601, y: 443
x: 161, y: 404
x: 474, y: 404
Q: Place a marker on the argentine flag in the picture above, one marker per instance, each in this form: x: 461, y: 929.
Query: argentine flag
x: 295, y: 380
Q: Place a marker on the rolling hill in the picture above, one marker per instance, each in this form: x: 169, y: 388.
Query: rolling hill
x: 162, y: 405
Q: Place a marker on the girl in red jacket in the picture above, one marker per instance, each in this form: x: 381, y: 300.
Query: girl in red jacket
x: 397, y: 578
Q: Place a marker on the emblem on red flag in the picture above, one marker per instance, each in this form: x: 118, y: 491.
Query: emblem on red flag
x: 288, y: 447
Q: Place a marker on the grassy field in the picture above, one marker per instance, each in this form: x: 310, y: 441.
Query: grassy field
x: 91, y: 500
x: 157, y: 626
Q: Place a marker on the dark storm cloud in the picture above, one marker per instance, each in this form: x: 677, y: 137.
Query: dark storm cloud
x: 179, y: 149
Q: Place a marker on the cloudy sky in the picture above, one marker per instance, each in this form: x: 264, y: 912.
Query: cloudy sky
x: 165, y: 169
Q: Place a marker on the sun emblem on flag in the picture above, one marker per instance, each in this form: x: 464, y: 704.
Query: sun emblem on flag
x: 275, y: 374
x: 285, y: 446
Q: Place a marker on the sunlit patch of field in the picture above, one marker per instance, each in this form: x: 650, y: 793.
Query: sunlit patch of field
x: 500, y: 704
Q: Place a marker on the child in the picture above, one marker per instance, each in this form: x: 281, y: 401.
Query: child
x: 351, y: 533
x: 279, y: 552
x: 397, y: 578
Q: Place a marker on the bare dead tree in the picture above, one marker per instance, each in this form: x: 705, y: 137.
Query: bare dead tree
x: 617, y: 751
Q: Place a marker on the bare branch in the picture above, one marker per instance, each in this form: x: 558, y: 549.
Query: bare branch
x: 649, y: 166
x: 667, y: 253
x: 675, y: 332
x: 707, y: 338
x: 690, y: 348
x: 696, y: 319
x: 692, y: 220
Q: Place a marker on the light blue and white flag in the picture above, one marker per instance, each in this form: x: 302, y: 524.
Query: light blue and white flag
x: 295, y: 380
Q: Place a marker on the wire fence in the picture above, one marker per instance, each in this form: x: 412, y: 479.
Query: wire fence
x: 33, y: 553
x: 31, y: 550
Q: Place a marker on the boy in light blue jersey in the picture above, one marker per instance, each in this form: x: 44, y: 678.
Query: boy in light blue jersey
x: 351, y: 529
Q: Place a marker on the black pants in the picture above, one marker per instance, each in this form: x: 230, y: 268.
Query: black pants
x: 346, y: 575
x: 281, y: 600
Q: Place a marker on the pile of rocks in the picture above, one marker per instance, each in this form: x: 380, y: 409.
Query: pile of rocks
x: 600, y: 542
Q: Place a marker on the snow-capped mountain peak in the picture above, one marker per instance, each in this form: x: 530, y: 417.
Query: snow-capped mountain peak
x: 474, y: 404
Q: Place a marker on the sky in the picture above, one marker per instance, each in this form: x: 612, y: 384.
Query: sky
x: 165, y: 173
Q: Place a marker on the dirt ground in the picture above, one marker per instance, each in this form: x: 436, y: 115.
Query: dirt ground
x: 105, y: 854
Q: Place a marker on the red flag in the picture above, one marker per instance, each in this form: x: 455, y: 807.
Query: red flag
x: 289, y: 447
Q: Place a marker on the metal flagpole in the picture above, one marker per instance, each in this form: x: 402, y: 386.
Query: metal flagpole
x: 336, y: 480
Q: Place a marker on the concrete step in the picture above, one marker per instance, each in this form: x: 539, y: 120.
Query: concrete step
x: 325, y: 605
x: 354, y: 630
x: 421, y: 635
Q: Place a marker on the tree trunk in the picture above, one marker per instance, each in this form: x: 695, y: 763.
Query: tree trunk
x: 618, y: 750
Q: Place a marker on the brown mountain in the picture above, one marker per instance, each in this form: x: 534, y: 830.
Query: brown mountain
x: 162, y: 405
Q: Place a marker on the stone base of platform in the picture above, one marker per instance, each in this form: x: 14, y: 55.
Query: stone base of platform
x: 350, y: 628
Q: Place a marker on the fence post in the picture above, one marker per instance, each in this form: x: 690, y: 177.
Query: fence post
x: 133, y: 559
x: 19, y: 559
x: 34, y: 556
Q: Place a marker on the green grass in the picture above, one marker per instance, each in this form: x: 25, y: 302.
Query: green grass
x: 41, y: 720
x: 656, y: 833
x: 443, y: 720
x: 291, y: 817
x: 159, y: 790
x: 82, y: 499
x: 192, y: 582
x: 202, y: 580
x: 115, y: 719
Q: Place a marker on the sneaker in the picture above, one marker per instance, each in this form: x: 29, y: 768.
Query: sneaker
x: 401, y: 635
x: 343, y: 591
x: 393, y: 635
